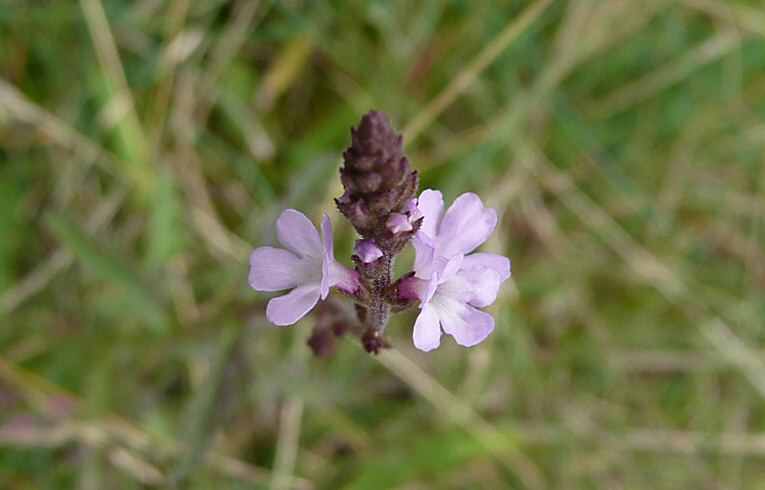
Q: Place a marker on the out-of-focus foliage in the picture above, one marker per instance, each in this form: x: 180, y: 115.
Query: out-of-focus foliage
x: 147, y: 146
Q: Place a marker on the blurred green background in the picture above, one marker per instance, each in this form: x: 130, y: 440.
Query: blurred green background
x: 147, y: 146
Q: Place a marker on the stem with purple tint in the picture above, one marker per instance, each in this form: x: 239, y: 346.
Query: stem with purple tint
x: 379, y: 201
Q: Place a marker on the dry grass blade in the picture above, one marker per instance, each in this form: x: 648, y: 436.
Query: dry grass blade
x: 500, y: 445
x: 665, y: 76
x: 221, y: 241
x: 58, y: 261
x: 48, y: 399
x: 648, y: 267
x: 588, y: 42
x: 739, y: 15
x: 34, y: 281
x: 666, y: 442
x: 287, y: 443
x: 118, y: 301
x: 21, y: 108
x: 178, y: 44
x: 736, y: 352
x: 222, y: 54
x: 690, y: 443
x: 141, y: 470
x: 195, y: 99
x: 470, y: 73
x: 108, y: 56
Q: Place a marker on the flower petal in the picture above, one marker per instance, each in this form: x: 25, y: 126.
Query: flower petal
x: 427, y: 332
x: 423, y: 257
x: 450, y: 267
x: 274, y: 269
x: 426, y: 264
x: 287, y: 309
x: 466, y: 225
x: 430, y: 289
x: 298, y: 234
x: 499, y: 263
x: 328, y: 238
x: 477, y: 286
x: 343, y: 278
x: 431, y: 204
x: 328, y: 255
x: 466, y: 324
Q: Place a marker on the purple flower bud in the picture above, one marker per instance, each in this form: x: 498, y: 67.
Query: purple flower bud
x: 367, y: 250
x: 322, y: 343
x: 376, y: 176
x: 398, y: 223
x: 373, y: 341
x: 344, y: 199
x: 340, y: 328
x: 409, y: 288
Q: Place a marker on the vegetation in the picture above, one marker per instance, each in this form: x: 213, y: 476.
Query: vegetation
x: 146, y: 147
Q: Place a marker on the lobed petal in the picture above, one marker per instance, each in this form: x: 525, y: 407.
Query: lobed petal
x: 477, y: 286
x: 423, y: 257
x: 426, y: 263
x: 296, y: 232
x: 288, y: 309
x: 429, y: 289
x: 497, y: 262
x: 275, y: 269
x: 431, y: 204
x: 328, y: 255
x: 466, y: 225
x: 427, y: 331
x: 466, y: 324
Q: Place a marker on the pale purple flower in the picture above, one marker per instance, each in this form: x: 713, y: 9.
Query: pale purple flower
x: 449, y: 301
x: 306, y: 265
x: 448, y: 283
x: 367, y: 250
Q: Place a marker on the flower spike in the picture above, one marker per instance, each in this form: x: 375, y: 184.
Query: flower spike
x: 449, y: 280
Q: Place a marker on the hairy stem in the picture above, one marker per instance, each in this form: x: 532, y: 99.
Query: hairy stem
x: 379, y: 310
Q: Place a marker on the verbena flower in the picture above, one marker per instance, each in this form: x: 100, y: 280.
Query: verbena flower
x: 448, y: 279
x: 449, y: 283
x: 306, y: 265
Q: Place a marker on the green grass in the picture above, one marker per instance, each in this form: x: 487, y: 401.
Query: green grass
x: 147, y: 146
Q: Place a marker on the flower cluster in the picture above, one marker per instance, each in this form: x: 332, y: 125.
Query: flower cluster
x: 449, y: 280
